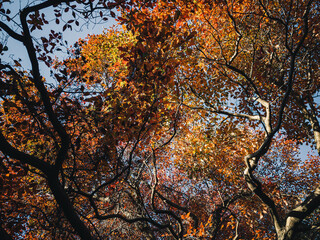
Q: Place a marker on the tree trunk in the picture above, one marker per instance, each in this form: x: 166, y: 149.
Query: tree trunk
x: 3, y: 234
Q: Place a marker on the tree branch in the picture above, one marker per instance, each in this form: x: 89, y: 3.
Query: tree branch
x: 3, y: 234
x: 37, y: 80
x: 11, y: 33
x: 25, y: 158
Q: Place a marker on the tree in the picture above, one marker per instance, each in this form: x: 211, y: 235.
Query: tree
x: 75, y: 157
x: 179, y: 125
x: 29, y: 103
x: 254, y: 54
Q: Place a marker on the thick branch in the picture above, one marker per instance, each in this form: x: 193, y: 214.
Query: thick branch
x: 37, y: 79
x: 11, y: 33
x: 295, y: 216
x: 3, y: 234
x: 54, y: 184
x: 67, y: 207
x: 12, y: 152
x: 267, y: 119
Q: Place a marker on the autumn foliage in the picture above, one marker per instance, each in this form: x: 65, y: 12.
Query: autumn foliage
x: 186, y: 120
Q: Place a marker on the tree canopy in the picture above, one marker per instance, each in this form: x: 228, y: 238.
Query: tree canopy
x: 186, y: 120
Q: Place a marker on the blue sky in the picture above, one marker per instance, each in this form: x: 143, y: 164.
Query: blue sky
x: 17, y: 49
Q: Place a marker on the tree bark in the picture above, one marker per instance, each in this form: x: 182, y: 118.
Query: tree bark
x: 3, y: 234
x: 70, y: 213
